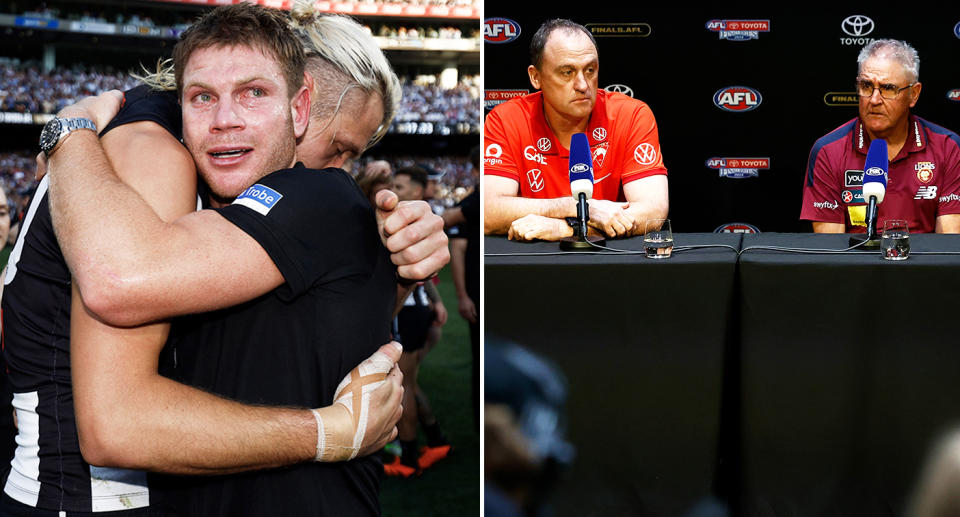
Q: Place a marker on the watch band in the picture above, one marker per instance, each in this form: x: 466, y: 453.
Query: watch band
x: 56, y: 129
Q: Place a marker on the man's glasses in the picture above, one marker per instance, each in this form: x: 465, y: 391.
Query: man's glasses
x: 887, y: 91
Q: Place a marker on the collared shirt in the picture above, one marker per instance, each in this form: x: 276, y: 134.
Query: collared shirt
x: 923, y: 180
x: 622, y: 132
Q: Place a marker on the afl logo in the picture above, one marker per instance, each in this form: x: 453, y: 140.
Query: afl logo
x: 544, y: 144
x: 500, y: 30
x: 737, y: 98
x: 737, y: 228
x: 954, y: 95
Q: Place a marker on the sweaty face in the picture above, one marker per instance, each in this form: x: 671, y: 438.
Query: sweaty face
x: 237, y: 118
x: 334, y: 141
x: 567, y: 75
x: 882, y: 117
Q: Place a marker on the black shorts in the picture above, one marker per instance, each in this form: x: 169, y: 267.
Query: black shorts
x: 414, y: 321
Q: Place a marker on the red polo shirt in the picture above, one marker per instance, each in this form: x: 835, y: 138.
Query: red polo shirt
x: 623, y: 139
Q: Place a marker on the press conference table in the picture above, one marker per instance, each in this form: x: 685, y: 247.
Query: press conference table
x: 784, y: 383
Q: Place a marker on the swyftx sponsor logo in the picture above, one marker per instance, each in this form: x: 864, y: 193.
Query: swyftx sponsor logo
x: 737, y: 99
x: 259, y: 198
x: 739, y: 30
x: 500, y: 30
x: 739, y: 167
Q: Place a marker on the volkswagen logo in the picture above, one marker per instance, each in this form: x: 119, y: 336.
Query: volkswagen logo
x: 620, y: 88
x: 599, y: 134
x: 857, y: 25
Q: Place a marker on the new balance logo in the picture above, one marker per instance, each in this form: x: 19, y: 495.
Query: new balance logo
x: 926, y: 192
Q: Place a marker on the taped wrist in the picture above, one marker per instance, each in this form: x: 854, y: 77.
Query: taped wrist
x: 341, y: 426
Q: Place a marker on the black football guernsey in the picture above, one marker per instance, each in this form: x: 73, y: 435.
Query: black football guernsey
x: 47, y: 470
x: 293, y: 345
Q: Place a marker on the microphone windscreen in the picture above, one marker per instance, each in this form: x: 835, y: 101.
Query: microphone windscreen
x: 581, y: 166
x: 875, y: 170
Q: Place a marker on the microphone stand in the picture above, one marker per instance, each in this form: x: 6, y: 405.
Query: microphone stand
x: 870, y: 241
x: 581, y: 240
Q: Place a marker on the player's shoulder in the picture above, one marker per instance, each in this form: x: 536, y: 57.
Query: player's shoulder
x: 518, y: 108
x: 143, y: 103
x: 615, y: 102
x: 935, y: 132
x: 835, y: 137
x: 330, y: 186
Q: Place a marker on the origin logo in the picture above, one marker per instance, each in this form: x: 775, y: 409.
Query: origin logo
x: 737, y: 98
x: 500, y: 30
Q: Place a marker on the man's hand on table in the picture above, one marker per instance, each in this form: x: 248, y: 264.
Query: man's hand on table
x: 610, y: 218
x: 533, y: 227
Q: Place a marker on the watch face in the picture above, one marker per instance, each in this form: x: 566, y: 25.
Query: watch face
x: 50, y: 135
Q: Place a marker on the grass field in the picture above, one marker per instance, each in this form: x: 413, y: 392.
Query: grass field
x: 452, y: 486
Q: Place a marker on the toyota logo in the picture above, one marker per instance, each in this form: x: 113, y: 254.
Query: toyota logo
x: 857, y: 25
x: 599, y: 134
x: 620, y: 88
x: 645, y: 154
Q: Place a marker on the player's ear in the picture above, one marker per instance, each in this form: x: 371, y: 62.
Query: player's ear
x: 534, y: 76
x: 300, y: 108
x: 915, y: 93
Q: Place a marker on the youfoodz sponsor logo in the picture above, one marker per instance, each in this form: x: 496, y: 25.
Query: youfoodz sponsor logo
x: 500, y: 30
x: 737, y: 98
x: 739, y: 30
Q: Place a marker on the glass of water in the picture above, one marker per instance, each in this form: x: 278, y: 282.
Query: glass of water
x: 658, y: 238
x: 895, y: 240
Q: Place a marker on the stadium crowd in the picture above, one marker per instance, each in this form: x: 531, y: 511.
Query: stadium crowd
x: 26, y: 89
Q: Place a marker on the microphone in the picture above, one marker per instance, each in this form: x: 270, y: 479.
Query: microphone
x: 875, y: 182
x: 581, y: 177
x: 581, y: 186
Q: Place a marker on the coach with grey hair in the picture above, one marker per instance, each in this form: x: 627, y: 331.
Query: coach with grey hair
x: 924, y: 173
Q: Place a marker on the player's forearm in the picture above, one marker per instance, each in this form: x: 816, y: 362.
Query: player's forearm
x: 500, y: 211
x: 640, y: 212
x: 163, y: 426
x: 458, y: 254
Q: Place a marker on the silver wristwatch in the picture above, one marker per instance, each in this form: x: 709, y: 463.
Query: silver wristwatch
x: 57, y: 128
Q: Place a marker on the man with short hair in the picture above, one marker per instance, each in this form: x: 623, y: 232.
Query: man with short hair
x: 526, y: 147
x: 242, y: 103
x: 924, y: 173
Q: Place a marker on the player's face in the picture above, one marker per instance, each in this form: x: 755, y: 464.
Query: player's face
x: 333, y: 142
x: 882, y: 117
x: 568, y: 74
x: 238, y: 119
x: 405, y: 189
